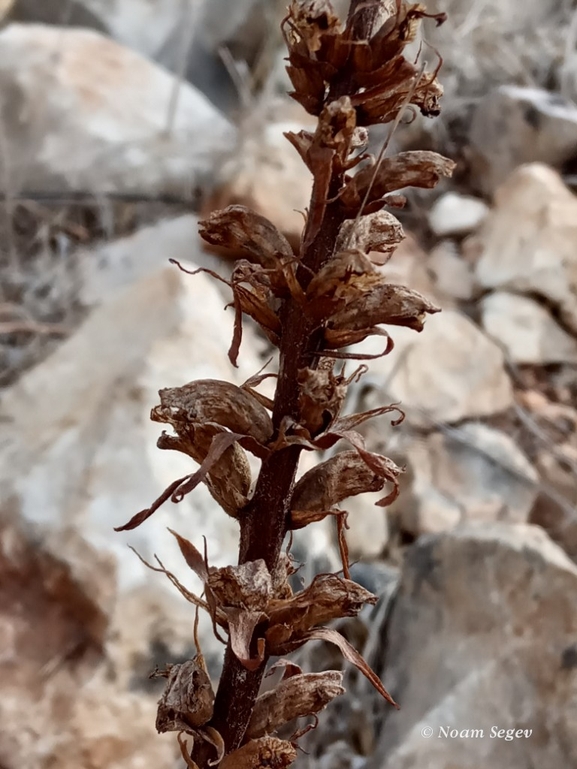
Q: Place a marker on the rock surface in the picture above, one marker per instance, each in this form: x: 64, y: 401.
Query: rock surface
x: 248, y: 31
x: 78, y: 449
x: 143, y: 26
x: 512, y: 126
x: 73, y: 13
x: 453, y: 276
x: 83, y: 113
x: 526, y: 330
x: 449, y: 372
x: 368, y: 530
x: 108, y: 268
x: 482, y: 634
x: 58, y: 706
x: 529, y: 242
x: 496, y: 42
x: 454, y: 214
x: 469, y: 473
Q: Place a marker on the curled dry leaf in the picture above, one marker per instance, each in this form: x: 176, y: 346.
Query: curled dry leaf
x: 382, y: 105
x: 280, y: 577
x: 296, y: 696
x: 344, y: 278
x: 329, y: 483
x: 247, y: 234
x: 269, y: 752
x: 288, y: 667
x: 256, y: 302
x: 192, y: 556
x: 241, y: 626
x: 337, y: 128
x: 183, y: 486
x: 188, y: 699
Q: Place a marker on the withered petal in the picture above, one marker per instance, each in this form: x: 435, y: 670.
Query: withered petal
x: 246, y: 233
x: 270, y: 752
x: 241, y: 626
x: 381, y: 232
x: 328, y: 597
x: 418, y: 168
x: 192, y: 556
x: 383, y: 303
x: 295, y: 697
x: 248, y: 585
x: 188, y: 698
x: 213, y: 400
x: 342, y: 476
x: 351, y: 655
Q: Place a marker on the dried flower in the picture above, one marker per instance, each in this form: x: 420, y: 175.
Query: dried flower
x: 312, y: 305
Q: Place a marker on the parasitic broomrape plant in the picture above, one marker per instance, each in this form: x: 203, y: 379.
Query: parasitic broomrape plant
x: 312, y: 305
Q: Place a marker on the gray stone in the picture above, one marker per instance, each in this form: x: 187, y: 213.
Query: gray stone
x: 449, y: 372
x: 468, y: 473
x: 526, y: 330
x: 108, y: 268
x: 368, y: 530
x: 78, y: 449
x: 247, y: 32
x: 80, y: 112
x: 482, y: 635
x: 452, y: 275
x: 266, y: 173
x: 60, y: 706
x: 454, y: 214
x: 529, y: 242
x: 71, y: 13
x: 513, y: 125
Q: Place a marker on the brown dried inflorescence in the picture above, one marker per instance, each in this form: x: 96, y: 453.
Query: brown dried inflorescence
x: 312, y: 305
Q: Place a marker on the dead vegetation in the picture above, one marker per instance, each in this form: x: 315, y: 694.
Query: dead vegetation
x: 311, y: 304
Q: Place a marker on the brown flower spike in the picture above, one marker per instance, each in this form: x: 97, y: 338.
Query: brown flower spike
x: 312, y: 305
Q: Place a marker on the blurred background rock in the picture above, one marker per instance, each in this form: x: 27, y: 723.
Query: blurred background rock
x: 123, y: 121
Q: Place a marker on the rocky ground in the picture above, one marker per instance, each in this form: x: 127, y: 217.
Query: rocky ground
x: 123, y: 122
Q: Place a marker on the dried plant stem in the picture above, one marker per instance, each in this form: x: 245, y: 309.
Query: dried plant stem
x: 264, y: 526
x: 311, y: 305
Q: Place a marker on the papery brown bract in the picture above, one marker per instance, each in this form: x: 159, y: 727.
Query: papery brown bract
x: 229, y: 480
x: 248, y: 585
x: 326, y: 598
x: 322, y: 394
